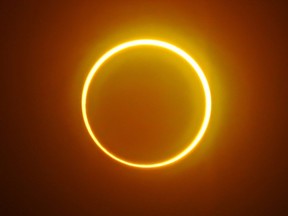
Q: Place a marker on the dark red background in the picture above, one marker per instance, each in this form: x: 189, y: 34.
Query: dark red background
x: 49, y: 164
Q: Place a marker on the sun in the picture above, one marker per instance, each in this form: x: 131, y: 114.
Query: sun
x: 180, y: 53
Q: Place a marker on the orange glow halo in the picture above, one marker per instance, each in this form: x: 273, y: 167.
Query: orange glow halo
x: 179, y: 52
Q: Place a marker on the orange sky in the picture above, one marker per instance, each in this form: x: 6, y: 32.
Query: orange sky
x: 51, y: 165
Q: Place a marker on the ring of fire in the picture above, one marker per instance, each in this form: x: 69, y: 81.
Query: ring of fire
x: 179, y: 52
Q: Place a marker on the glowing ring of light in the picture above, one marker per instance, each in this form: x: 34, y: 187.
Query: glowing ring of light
x: 179, y: 52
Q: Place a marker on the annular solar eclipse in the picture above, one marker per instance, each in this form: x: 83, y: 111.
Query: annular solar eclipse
x: 194, y: 68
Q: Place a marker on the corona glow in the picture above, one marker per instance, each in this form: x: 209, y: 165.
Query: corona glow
x: 180, y: 53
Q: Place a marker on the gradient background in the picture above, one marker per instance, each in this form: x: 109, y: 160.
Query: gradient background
x: 50, y: 166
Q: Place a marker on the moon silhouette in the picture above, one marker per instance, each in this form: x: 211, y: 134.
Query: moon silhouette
x: 194, y: 65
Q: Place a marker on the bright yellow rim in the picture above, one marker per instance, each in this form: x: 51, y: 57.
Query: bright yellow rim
x: 179, y: 52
